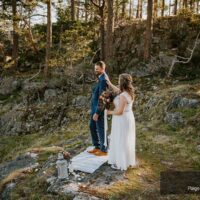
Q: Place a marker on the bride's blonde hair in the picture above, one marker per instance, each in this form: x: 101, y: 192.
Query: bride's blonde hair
x: 125, y: 81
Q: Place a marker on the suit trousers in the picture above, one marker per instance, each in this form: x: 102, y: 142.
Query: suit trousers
x: 97, y: 132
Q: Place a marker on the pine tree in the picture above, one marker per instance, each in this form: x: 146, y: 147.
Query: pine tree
x: 148, y: 34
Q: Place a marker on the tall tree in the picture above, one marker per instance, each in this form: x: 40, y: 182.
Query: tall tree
x: 73, y: 10
x: 49, y: 38
x: 148, y: 34
x: 131, y: 11
x: 180, y: 4
x: 139, y: 9
x: 116, y: 10
x: 100, y: 6
x: 192, y: 5
x: 163, y: 8
x: 124, y: 8
x: 109, y: 31
x: 86, y: 10
x: 185, y: 3
x: 197, y: 6
x: 170, y: 7
x: 77, y: 9
x: 15, y: 34
x: 155, y: 9
x: 175, y: 6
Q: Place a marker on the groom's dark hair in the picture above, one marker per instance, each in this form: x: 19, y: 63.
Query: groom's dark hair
x: 101, y: 64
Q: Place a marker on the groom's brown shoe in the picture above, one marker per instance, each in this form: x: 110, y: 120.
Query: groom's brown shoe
x: 100, y: 153
x: 93, y: 151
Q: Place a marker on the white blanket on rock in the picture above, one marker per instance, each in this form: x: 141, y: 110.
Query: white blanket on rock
x: 87, y: 162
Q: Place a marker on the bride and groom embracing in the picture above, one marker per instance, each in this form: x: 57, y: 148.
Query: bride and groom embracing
x: 121, y: 149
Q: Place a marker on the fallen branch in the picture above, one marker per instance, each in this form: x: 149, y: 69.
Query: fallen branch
x: 180, y: 59
x: 35, y: 74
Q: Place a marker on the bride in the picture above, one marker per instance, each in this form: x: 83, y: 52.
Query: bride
x: 121, y: 153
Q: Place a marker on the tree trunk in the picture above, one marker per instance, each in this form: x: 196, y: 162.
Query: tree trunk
x: 30, y: 36
x: 116, y: 10
x: 101, y: 7
x: 77, y: 10
x: 102, y: 30
x: 180, y: 4
x: 192, y: 5
x: 109, y: 31
x: 123, y: 9
x: 86, y: 10
x: 49, y: 39
x: 155, y: 9
x: 148, y: 34
x: 131, y: 9
x: 140, y: 8
x: 60, y: 39
x: 72, y: 10
x: 197, y: 7
x: 185, y: 3
x: 175, y: 6
x: 163, y: 8
x: 169, y: 7
x: 15, y: 34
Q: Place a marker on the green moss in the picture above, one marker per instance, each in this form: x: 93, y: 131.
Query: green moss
x: 188, y: 112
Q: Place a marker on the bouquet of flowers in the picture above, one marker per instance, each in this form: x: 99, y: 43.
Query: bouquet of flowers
x: 106, y: 99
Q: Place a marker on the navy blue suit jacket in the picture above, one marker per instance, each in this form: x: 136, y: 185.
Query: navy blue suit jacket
x: 96, y: 92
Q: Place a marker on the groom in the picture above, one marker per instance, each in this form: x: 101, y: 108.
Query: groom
x: 97, y: 116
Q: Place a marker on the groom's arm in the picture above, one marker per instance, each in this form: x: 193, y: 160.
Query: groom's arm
x: 102, y: 87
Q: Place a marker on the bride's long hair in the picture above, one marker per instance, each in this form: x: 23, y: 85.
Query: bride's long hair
x: 125, y: 84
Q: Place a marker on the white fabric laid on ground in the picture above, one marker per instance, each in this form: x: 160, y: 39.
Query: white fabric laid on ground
x: 87, y: 162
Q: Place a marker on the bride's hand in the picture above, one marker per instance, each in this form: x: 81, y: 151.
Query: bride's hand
x: 109, y: 112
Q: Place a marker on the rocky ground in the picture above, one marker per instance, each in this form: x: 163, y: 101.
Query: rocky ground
x: 38, y: 120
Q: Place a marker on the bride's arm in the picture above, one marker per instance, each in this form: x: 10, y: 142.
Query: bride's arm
x: 115, y: 88
x: 120, y: 109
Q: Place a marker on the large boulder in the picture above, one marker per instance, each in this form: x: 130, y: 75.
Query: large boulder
x: 18, y: 120
x: 50, y: 94
x: 8, y: 85
x: 174, y: 119
x: 165, y: 60
x: 183, y: 102
x: 81, y: 101
x: 153, y: 101
x: 33, y: 91
x: 11, y: 123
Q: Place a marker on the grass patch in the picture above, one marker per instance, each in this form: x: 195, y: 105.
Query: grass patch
x: 35, y: 188
x: 188, y: 112
x: 13, y: 146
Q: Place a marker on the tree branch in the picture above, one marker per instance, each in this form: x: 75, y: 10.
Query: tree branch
x: 98, y: 6
x: 184, y: 60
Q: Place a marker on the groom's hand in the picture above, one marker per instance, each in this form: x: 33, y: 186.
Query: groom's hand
x: 95, y: 117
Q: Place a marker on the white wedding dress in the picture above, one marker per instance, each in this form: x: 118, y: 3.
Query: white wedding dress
x: 121, y: 152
